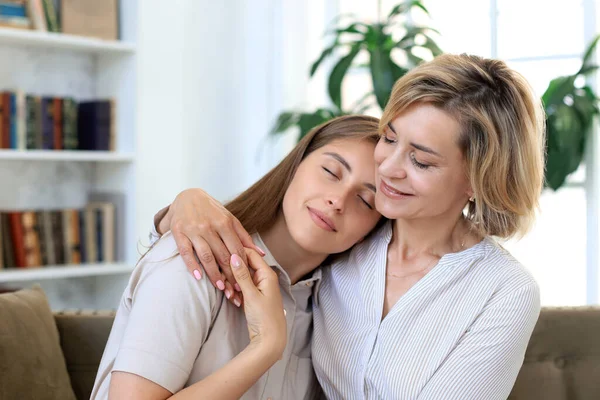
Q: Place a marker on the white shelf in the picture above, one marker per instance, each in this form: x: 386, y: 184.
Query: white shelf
x: 61, y: 41
x: 66, y: 271
x: 65, y: 155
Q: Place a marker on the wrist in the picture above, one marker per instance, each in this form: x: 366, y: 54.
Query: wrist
x: 162, y: 220
x: 266, y: 350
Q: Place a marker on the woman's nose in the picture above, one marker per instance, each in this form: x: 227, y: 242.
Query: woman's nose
x: 393, y: 167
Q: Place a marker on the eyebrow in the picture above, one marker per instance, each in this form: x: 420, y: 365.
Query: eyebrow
x: 343, y: 161
x: 418, y: 146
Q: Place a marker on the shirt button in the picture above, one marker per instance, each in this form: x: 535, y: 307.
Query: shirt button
x: 308, y: 284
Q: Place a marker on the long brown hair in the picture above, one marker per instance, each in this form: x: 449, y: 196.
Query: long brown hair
x: 258, y: 207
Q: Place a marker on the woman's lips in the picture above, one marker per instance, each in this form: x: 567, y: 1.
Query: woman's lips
x: 393, y: 193
x: 321, y: 220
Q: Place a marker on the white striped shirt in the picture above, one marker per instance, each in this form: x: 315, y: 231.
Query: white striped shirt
x: 459, y: 333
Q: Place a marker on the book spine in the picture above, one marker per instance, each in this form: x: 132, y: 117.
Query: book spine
x: 21, y: 121
x: 30, y: 123
x: 70, y: 124
x: 49, y: 238
x: 13, y: 121
x: 47, y: 124
x: 16, y: 227
x: 58, y: 123
x: 40, y: 229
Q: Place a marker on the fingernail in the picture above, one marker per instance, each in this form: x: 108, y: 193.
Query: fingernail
x: 237, y: 287
x: 235, y: 260
x: 261, y: 251
x: 227, y: 294
x: 237, y: 303
x: 197, y: 274
x: 220, y: 285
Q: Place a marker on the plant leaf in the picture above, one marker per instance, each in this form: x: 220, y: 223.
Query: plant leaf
x: 285, y: 121
x: 337, y: 75
x: 308, y: 121
x: 405, y: 7
x: 326, y: 53
x: 590, y: 49
x: 382, y: 75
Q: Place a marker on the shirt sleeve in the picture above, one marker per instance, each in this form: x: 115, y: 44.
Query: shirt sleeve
x: 487, y: 360
x: 154, y: 235
x: 169, y: 320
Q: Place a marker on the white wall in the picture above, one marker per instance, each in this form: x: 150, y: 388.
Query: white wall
x: 212, y: 78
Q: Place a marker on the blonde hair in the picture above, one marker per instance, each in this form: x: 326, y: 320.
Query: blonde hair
x: 502, y: 134
x: 258, y: 207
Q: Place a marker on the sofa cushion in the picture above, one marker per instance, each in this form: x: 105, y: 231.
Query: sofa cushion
x: 562, y: 361
x: 32, y: 365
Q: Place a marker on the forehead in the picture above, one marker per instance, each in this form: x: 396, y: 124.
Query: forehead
x: 358, y: 153
x: 429, y: 125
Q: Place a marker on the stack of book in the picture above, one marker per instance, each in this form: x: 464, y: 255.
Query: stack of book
x: 30, y: 122
x: 31, y: 239
x: 13, y: 14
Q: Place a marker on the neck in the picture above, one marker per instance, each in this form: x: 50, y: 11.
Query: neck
x: 433, y: 236
x: 296, y: 261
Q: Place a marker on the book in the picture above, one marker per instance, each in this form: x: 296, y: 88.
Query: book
x: 57, y: 116
x: 13, y: 121
x: 12, y: 10
x: 21, y: 120
x: 116, y: 223
x: 49, y: 238
x: 96, y: 125
x: 47, y: 122
x: 1, y: 246
x: 74, y: 245
x: 57, y: 236
x: 82, y: 238
x: 31, y: 240
x: 2, y: 144
x: 91, y: 241
x: 8, y: 248
x: 91, y: 18
x: 30, y: 123
x: 69, y: 108
x: 16, y: 231
x: 66, y: 235
x: 40, y: 229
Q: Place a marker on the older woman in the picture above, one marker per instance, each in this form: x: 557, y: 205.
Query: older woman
x: 429, y: 306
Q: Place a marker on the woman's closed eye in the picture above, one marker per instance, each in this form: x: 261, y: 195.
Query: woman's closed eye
x: 417, y: 163
x: 330, y: 173
x: 365, y: 202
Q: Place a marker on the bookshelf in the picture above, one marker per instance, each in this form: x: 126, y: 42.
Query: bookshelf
x: 54, y: 64
x: 66, y: 155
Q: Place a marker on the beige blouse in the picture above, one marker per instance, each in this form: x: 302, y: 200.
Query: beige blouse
x: 175, y: 330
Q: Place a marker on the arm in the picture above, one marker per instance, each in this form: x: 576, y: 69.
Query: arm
x: 485, y: 363
x: 206, y: 233
x: 266, y: 326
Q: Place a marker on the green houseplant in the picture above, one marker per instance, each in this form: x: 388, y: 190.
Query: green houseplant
x: 570, y: 105
x: 389, y: 46
x: 570, y: 110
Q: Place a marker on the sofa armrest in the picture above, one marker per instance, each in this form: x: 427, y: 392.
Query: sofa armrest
x: 83, y: 337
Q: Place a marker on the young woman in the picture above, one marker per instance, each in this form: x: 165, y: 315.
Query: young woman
x: 173, y: 332
x: 430, y: 306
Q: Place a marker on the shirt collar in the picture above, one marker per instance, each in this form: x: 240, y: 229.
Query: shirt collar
x: 314, y: 279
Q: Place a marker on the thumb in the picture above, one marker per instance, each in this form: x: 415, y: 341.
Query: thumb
x: 242, y: 276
